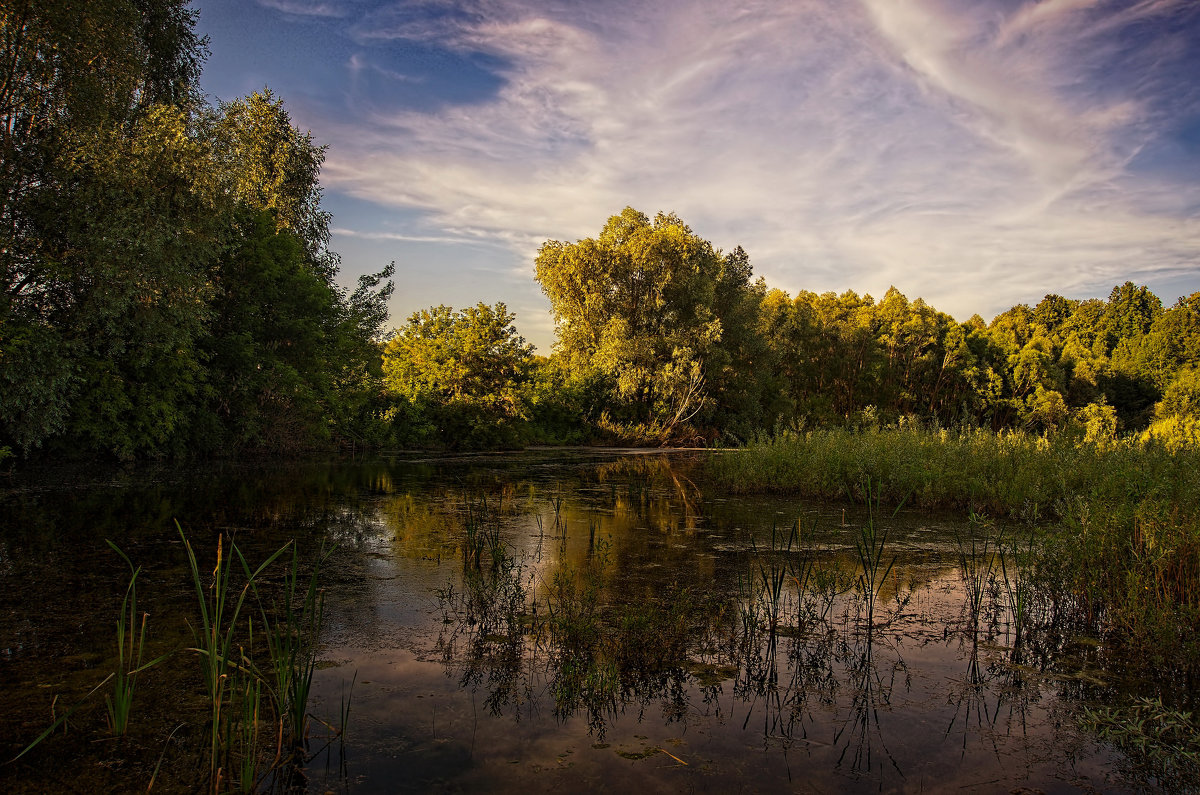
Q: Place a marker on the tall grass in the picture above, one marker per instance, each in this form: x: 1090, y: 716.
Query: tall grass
x: 870, y: 548
x: 1001, y: 474
x: 220, y: 606
x: 291, y: 635
x: 1123, y: 548
x: 131, y: 642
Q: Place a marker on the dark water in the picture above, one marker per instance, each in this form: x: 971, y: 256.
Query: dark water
x: 617, y: 634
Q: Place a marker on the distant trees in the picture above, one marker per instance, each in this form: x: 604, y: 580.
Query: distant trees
x: 673, y: 323
x: 460, y: 376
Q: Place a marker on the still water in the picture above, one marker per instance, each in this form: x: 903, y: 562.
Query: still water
x: 551, y: 621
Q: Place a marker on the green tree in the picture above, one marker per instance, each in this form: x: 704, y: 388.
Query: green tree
x: 639, y: 303
x: 93, y: 148
x: 464, y: 371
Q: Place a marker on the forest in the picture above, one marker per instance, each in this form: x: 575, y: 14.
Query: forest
x: 169, y: 291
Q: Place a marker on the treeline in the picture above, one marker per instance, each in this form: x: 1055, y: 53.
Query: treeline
x: 167, y: 285
x: 661, y: 338
x: 168, y: 290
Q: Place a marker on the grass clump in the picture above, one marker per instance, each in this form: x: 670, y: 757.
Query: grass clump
x: 1160, y: 742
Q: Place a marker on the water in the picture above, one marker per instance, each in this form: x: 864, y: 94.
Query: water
x: 616, y: 634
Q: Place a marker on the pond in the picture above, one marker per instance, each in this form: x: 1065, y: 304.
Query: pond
x: 549, y: 620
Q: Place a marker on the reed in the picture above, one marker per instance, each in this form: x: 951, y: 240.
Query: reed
x: 977, y: 564
x: 131, y: 643
x: 869, y: 547
x: 219, y: 610
x: 292, y: 631
x: 1015, y: 569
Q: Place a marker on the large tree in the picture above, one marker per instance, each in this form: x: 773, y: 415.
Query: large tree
x: 639, y: 303
x: 105, y: 222
x: 164, y: 273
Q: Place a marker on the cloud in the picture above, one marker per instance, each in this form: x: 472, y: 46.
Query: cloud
x: 305, y: 8
x: 969, y: 153
x: 401, y: 237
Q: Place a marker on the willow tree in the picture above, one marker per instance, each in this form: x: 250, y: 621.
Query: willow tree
x: 639, y: 304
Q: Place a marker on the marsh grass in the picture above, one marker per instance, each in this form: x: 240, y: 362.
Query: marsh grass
x: 130, y: 643
x: 1002, y: 474
x: 291, y: 632
x: 482, y: 535
x: 870, y: 549
x: 1016, y: 571
x: 220, y: 607
x: 977, y: 565
x: 1119, y: 541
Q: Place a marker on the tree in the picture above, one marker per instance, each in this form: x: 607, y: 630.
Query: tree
x: 269, y: 164
x: 639, y: 303
x: 95, y: 163
x: 463, y: 370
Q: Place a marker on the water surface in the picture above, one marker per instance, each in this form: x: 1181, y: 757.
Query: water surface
x: 624, y: 628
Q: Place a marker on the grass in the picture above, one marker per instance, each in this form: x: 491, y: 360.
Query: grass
x: 870, y: 547
x: 977, y: 561
x: 219, y: 608
x: 291, y: 636
x: 235, y: 683
x: 130, y: 645
x: 1008, y: 474
x: 1120, y: 552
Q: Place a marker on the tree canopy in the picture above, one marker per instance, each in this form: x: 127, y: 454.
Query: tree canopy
x: 166, y: 281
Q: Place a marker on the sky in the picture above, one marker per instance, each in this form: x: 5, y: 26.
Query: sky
x: 974, y: 153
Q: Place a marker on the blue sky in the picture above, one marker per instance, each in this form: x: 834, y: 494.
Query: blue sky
x: 975, y: 153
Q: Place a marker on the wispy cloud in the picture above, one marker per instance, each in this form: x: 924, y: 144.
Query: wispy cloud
x: 306, y: 8
x: 970, y: 153
x: 402, y: 237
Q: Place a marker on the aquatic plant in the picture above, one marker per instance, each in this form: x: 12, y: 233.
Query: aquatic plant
x: 870, y: 547
x: 1121, y: 559
x: 1015, y: 569
x: 977, y: 561
x: 1162, y: 743
x: 131, y: 642
x: 482, y: 535
x: 219, y: 612
x: 292, y: 631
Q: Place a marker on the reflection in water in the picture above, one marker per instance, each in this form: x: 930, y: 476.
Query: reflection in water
x: 578, y: 621
x: 786, y: 639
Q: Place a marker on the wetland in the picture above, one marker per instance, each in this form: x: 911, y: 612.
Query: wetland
x: 548, y: 620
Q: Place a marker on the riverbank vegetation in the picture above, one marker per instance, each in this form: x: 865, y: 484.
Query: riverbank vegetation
x: 1117, y: 521
x: 167, y: 287
x: 169, y: 291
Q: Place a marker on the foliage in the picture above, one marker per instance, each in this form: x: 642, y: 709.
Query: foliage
x: 1126, y: 551
x: 463, y: 372
x: 166, y: 281
x: 638, y: 303
x: 1160, y: 741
